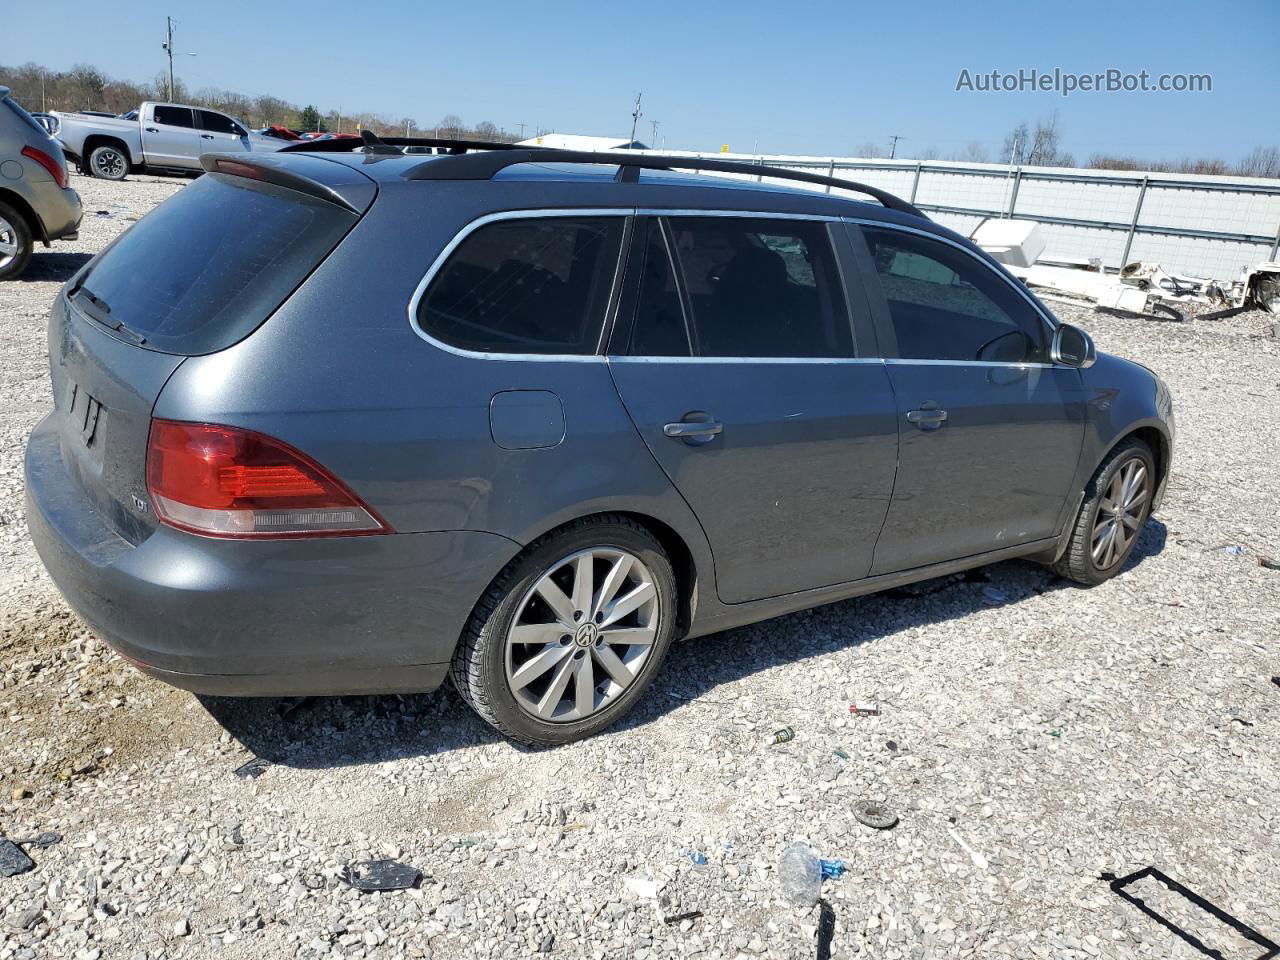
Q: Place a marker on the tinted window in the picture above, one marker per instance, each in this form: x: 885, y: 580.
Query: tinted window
x: 244, y: 247
x: 173, y: 116
x: 538, y: 285
x: 659, y: 329
x: 945, y: 305
x: 217, y: 123
x: 762, y: 288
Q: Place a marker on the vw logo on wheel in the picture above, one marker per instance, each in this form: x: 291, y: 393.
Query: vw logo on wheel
x: 586, y: 634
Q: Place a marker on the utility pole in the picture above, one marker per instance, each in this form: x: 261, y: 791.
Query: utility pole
x: 408, y: 125
x: 635, y: 116
x: 168, y: 47
x: 521, y: 126
x: 43, y: 108
x: 653, y: 141
x: 893, y: 144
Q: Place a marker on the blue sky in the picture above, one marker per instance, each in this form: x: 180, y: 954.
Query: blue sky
x: 778, y: 77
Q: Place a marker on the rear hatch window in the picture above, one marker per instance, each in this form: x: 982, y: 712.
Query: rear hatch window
x: 206, y: 267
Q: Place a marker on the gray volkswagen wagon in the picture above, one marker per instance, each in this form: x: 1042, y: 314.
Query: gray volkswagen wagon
x: 336, y: 422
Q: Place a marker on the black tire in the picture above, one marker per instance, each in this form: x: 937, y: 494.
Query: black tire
x: 15, y: 231
x: 479, y: 664
x: 109, y: 162
x: 1077, y: 561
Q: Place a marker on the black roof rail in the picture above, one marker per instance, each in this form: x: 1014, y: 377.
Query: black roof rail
x: 348, y: 145
x: 483, y: 166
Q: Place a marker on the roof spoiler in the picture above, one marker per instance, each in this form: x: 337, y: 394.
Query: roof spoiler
x: 260, y: 167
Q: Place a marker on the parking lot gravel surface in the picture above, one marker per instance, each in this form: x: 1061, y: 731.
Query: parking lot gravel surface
x: 1034, y: 738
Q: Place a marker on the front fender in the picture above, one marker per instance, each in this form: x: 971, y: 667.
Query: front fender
x: 1123, y: 398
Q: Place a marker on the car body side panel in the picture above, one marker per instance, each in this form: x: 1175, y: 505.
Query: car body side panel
x: 406, y: 424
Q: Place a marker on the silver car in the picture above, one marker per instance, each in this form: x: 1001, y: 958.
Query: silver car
x: 35, y: 201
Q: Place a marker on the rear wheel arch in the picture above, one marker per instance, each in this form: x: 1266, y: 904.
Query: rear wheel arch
x: 683, y: 563
x: 19, y: 204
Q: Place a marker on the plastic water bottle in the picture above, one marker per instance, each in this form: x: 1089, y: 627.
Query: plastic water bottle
x: 800, y: 874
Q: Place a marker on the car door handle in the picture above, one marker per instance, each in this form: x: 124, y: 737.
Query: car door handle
x: 206, y: 136
x: 152, y: 130
x: 694, y: 431
x: 927, y: 417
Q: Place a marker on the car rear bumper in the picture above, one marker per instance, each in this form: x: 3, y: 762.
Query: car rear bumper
x: 343, y: 615
x: 58, y: 208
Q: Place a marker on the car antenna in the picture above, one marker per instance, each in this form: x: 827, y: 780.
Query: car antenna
x: 375, y: 144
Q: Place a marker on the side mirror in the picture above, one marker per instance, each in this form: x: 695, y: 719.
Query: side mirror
x: 1073, y: 347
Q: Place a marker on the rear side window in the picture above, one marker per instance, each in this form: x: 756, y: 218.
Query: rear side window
x: 174, y: 116
x: 25, y: 117
x: 217, y: 123
x: 946, y: 305
x: 762, y: 287
x: 659, y: 329
x: 208, y: 265
x: 536, y: 285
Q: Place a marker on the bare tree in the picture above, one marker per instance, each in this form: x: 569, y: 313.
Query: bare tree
x: 871, y: 150
x: 450, y: 126
x: 974, y: 152
x: 1260, y: 162
x: 929, y: 154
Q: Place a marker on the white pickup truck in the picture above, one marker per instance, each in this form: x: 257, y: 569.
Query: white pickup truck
x: 164, y: 136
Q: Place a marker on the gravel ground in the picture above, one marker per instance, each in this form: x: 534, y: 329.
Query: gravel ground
x: 1034, y: 736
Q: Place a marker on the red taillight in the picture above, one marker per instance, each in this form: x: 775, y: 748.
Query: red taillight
x: 227, y: 482
x: 56, y: 169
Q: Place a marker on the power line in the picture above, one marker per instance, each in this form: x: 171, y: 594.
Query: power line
x: 893, y: 144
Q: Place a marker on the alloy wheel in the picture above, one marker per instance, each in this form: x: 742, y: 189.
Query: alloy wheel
x: 109, y: 163
x: 1120, y: 514
x: 8, y: 242
x: 582, y: 634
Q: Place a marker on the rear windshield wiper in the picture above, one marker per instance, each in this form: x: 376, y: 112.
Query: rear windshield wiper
x: 95, y: 308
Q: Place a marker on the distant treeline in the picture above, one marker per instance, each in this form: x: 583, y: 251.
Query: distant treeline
x: 85, y: 87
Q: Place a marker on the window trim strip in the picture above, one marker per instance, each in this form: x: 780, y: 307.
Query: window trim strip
x: 631, y: 212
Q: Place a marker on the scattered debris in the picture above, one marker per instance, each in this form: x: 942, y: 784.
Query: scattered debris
x: 891, y: 746
x: 1234, y: 550
x: 867, y: 708
x: 1268, y: 563
x: 832, y: 869
x: 1015, y: 243
x: 1276, y: 681
x: 877, y: 815
x: 826, y: 930
x: 253, y: 769
x: 681, y: 917
x: 800, y: 874
x: 642, y: 887
x: 841, y: 754
x: 994, y: 595
x: 699, y: 859
x: 102, y: 213
x: 370, y: 875
x: 1262, y: 286
x: 785, y: 735
x: 13, y: 860
x: 978, y: 859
